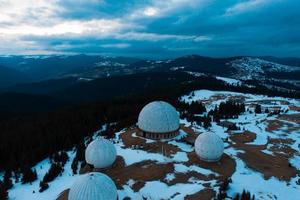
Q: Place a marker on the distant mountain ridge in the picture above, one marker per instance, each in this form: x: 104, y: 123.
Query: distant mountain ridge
x: 41, y: 68
x: 70, y: 69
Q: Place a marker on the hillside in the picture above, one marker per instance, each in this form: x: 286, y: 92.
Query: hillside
x: 46, y: 124
x: 71, y: 91
x: 20, y: 104
x: 40, y: 68
x: 264, y: 149
x: 9, y: 77
x: 285, y: 71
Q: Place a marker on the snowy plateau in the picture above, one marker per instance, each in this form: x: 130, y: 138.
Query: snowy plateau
x: 263, y: 157
x: 248, y: 68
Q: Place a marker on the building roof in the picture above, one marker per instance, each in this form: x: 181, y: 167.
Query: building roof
x: 100, y: 153
x: 158, y: 117
x: 93, y: 186
x: 209, y: 147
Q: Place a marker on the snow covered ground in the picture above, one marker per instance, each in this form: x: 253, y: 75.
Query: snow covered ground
x: 243, y: 177
x: 230, y: 81
x: 31, y: 191
x: 248, y: 68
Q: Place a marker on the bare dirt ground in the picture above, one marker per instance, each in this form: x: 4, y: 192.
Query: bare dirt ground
x: 130, y: 139
x: 274, y: 125
x: 205, y: 194
x: 225, y: 166
x: 280, y: 146
x: 294, y: 108
x: 191, y: 135
x: 284, y: 122
x: 245, y: 137
x: 269, y: 165
x: 291, y: 117
x: 142, y: 172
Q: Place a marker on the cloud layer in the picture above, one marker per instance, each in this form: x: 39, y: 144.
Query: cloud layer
x: 151, y: 28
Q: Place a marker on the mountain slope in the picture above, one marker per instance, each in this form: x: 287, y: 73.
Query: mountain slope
x: 245, y: 68
x: 52, y: 73
x: 18, y: 104
x: 55, y: 66
x: 170, y: 169
x: 10, y: 77
x: 255, y: 68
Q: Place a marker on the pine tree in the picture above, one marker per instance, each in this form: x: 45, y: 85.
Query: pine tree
x: 60, y: 157
x: 7, y: 180
x: 29, y: 175
x: 244, y: 196
x: 43, y: 186
x: 206, y: 122
x: 74, y: 165
x: 80, y: 152
x: 3, y: 192
x: 258, y: 109
x: 53, y: 172
x: 17, y: 176
x: 237, y: 197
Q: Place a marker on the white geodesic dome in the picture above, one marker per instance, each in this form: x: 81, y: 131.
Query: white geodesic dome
x: 100, y: 153
x: 158, y: 117
x: 93, y: 186
x: 209, y: 147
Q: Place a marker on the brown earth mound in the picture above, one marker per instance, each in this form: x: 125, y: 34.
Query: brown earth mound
x: 268, y: 165
x: 225, y: 166
x: 277, y: 166
x: 291, y: 117
x: 245, y: 137
x: 294, y: 108
x: 281, y: 146
x: 274, y: 125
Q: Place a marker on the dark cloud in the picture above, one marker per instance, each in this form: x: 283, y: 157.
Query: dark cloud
x: 156, y: 28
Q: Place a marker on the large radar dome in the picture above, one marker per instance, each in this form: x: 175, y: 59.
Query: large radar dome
x: 158, y: 117
x: 93, y: 186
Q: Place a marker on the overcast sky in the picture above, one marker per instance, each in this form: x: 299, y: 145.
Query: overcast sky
x: 151, y: 28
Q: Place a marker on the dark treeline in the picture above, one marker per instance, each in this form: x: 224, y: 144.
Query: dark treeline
x: 228, y: 109
x: 79, y: 157
x: 191, y: 112
x: 58, y: 161
x: 192, y: 108
x: 3, y: 191
x: 246, y: 195
x: 24, y: 141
